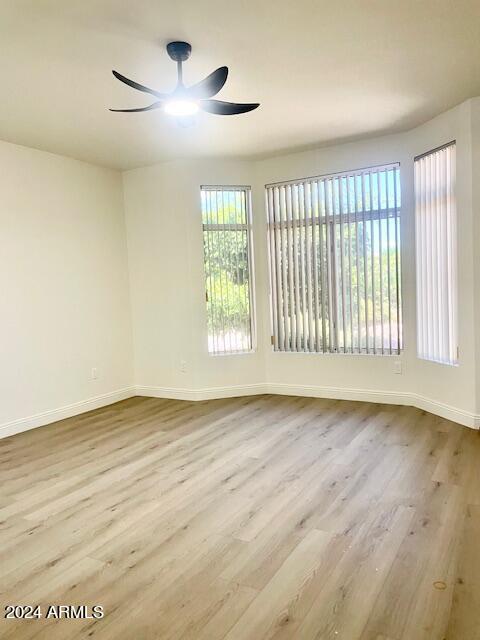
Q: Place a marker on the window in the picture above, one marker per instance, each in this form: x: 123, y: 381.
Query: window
x: 334, y: 246
x: 228, y: 268
x: 436, y: 246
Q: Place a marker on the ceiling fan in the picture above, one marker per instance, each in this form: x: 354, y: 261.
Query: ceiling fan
x: 186, y: 101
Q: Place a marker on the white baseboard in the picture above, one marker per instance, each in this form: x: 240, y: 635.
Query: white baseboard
x: 210, y: 393
x: 454, y: 414
x: 441, y: 409
x: 339, y: 393
x: 67, y: 411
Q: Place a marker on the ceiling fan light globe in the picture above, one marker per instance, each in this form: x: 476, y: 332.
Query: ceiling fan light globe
x: 180, y: 108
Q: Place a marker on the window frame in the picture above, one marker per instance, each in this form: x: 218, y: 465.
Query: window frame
x: 331, y: 219
x: 248, y: 228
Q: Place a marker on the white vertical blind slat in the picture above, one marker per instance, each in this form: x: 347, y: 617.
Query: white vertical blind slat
x: 342, y: 264
x: 296, y: 269
x: 291, y: 280
x: 273, y: 270
x: 389, y: 275
x: 398, y: 261
x: 278, y: 269
x: 350, y: 278
x: 315, y: 265
x: 308, y: 264
x: 303, y: 280
x: 322, y: 256
x: 329, y: 264
x: 365, y: 267
x: 283, y: 259
x: 371, y: 264
x: 380, y: 265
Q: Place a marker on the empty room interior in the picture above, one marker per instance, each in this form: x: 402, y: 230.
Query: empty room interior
x: 240, y: 320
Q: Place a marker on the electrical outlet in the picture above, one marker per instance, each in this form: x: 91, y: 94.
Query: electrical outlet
x: 94, y: 373
x: 183, y: 366
x: 397, y: 366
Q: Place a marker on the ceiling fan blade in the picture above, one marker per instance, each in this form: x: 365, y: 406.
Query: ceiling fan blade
x: 210, y: 85
x: 155, y: 105
x: 227, y: 108
x: 136, y: 85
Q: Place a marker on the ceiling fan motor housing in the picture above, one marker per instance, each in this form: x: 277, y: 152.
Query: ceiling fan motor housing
x: 179, y: 51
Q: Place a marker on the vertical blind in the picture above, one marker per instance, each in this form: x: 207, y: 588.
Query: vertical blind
x: 436, y: 249
x: 226, y: 221
x: 334, y: 252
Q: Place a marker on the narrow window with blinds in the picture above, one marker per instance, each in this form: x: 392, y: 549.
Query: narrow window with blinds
x: 436, y: 249
x: 226, y: 216
x: 334, y: 245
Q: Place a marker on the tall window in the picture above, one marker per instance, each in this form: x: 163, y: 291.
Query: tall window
x: 436, y: 244
x: 335, y: 262
x: 228, y: 268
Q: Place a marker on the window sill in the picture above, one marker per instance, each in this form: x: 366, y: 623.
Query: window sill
x: 340, y: 353
x: 232, y: 353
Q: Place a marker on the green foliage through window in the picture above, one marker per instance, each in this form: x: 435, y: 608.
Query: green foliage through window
x: 226, y: 239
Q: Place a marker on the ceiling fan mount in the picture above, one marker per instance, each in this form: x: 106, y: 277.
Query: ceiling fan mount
x: 179, y: 51
x: 186, y: 101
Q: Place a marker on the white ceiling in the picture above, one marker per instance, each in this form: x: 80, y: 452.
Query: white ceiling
x: 323, y: 72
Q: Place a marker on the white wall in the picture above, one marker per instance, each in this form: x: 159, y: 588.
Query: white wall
x: 166, y: 271
x: 64, y: 294
x: 164, y: 230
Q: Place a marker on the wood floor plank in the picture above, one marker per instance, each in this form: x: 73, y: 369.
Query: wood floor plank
x: 343, y: 602
x: 464, y: 619
x: 421, y: 561
x: 253, y: 518
x: 270, y: 608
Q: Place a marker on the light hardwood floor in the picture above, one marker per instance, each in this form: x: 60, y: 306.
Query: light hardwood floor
x: 244, y: 519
